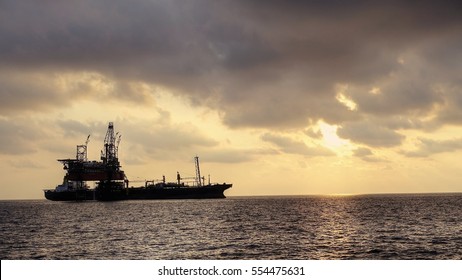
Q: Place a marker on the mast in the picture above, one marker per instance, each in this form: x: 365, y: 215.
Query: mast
x: 198, y: 172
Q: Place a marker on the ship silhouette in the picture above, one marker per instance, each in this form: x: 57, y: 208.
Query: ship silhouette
x: 112, y: 183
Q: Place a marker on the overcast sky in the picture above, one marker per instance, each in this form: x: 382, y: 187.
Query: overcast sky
x: 278, y: 97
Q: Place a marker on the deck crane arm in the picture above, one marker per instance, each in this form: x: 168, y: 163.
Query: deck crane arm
x: 119, y: 136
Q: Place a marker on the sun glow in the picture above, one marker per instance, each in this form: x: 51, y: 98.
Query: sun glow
x: 330, y: 138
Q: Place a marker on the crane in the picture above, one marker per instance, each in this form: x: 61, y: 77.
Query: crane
x: 118, y: 137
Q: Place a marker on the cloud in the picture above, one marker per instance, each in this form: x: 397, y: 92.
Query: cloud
x: 370, y: 134
x: 233, y: 155
x: 80, y: 129
x: 268, y: 64
x: 26, y: 164
x: 428, y: 147
x: 362, y: 152
x: 313, y: 133
x: 30, y: 91
x: 26, y: 136
x: 151, y: 139
x: 399, y: 94
x: 147, y: 140
x: 43, y: 91
x: 366, y: 155
x: 18, y: 137
x: 451, y: 111
x: 291, y: 146
x: 142, y: 140
x: 403, y: 122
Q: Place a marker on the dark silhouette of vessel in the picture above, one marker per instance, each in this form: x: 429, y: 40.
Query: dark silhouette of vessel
x: 112, y: 183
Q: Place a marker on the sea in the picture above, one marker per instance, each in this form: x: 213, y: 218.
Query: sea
x: 378, y: 227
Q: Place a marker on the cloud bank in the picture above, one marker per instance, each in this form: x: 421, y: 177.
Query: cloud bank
x: 262, y: 64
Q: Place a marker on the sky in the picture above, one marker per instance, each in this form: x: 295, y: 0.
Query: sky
x: 276, y: 97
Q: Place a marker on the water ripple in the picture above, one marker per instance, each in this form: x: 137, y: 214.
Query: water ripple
x: 361, y: 227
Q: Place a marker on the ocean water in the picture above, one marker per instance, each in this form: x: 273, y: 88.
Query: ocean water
x: 312, y: 227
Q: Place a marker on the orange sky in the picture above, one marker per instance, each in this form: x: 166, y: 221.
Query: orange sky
x: 277, y: 98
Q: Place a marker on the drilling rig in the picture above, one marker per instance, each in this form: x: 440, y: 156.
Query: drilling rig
x: 106, y: 172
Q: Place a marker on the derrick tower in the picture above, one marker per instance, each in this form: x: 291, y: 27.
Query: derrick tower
x: 111, y: 145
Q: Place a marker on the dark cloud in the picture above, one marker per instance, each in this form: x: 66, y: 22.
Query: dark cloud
x: 272, y: 64
x: 402, y: 95
x: 451, y: 111
x: 28, y: 91
x: 21, y: 91
x: 403, y: 122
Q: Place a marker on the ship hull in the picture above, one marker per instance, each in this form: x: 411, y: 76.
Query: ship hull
x: 142, y: 193
x: 212, y: 191
x: 70, y: 195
